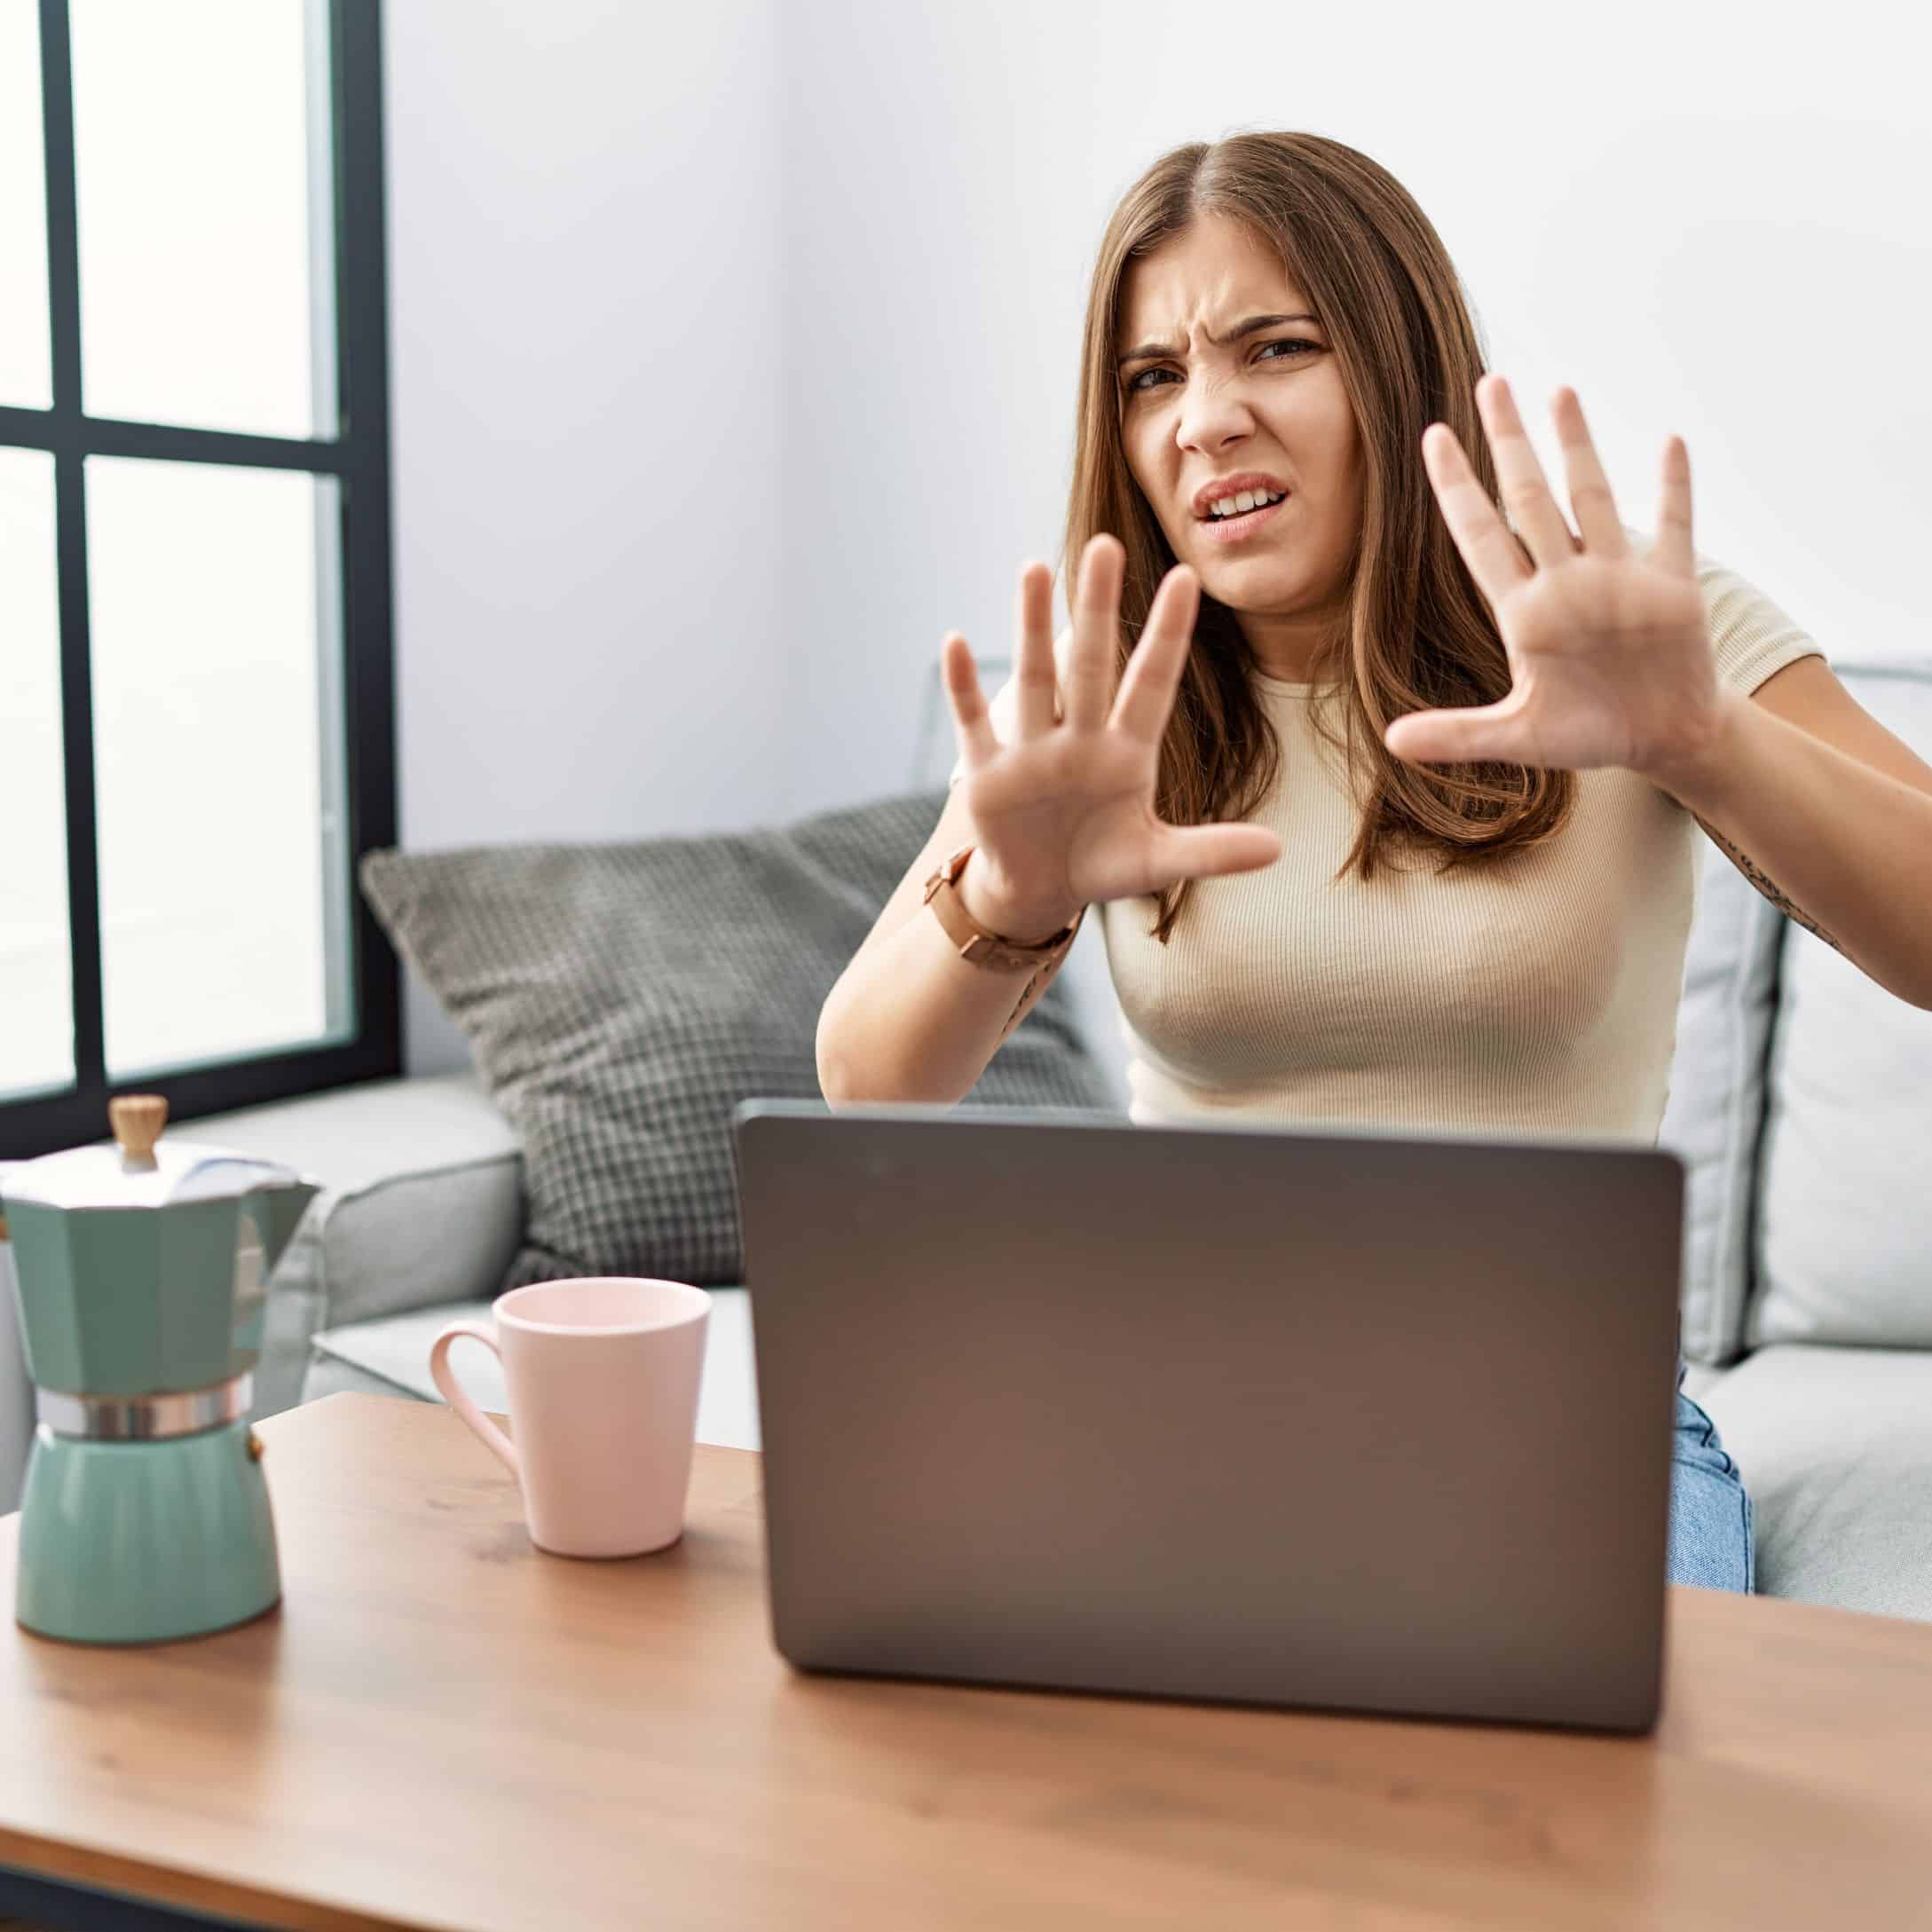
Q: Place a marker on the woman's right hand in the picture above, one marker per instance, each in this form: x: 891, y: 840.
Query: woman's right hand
x: 1063, y: 812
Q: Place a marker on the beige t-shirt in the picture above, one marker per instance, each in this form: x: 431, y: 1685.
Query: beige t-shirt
x: 1535, y: 996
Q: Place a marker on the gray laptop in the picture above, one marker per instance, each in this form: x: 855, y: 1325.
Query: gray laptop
x: 1281, y: 1417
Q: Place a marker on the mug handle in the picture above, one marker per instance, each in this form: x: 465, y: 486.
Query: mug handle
x: 458, y: 1396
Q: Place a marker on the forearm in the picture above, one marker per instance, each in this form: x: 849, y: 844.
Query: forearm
x: 1844, y: 849
x: 910, y: 1020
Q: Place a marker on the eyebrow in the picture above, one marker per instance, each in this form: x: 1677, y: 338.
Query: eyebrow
x: 1148, y: 352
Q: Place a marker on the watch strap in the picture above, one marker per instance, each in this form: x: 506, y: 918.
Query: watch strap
x: 974, y: 942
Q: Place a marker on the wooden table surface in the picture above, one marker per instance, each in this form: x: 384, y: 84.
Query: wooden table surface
x: 442, y: 1726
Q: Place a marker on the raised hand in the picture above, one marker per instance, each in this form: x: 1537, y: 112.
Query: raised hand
x: 1064, y: 813
x: 1610, y: 652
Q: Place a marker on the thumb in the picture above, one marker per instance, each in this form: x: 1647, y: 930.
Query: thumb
x: 1464, y: 733
x: 1209, y: 851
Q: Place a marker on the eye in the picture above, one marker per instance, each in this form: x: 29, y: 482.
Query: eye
x: 1140, y: 383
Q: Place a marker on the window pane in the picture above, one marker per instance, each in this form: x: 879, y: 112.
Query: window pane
x: 218, y: 762
x: 201, y: 129
x: 36, y: 993
x: 26, y: 378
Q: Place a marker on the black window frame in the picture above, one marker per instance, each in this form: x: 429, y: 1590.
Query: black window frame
x: 358, y: 457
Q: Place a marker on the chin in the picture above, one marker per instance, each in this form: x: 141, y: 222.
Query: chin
x: 1253, y: 583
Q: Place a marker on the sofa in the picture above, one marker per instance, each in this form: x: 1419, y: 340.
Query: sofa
x: 1799, y: 1098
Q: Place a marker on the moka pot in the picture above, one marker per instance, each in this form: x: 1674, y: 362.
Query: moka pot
x: 142, y: 1269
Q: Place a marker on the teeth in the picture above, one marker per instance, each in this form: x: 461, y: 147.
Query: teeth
x: 1244, y: 499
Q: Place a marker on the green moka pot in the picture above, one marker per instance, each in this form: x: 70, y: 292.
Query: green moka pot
x: 142, y: 1272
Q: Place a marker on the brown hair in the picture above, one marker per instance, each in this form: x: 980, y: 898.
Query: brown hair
x: 1418, y: 634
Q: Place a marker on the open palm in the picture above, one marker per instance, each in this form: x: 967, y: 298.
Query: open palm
x: 1610, y: 652
x: 1064, y: 813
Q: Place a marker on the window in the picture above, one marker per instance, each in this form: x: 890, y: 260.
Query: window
x: 196, y: 703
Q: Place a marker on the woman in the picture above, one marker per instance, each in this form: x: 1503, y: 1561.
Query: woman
x: 1388, y: 811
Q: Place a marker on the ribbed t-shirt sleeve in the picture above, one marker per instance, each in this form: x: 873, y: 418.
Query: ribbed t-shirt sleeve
x: 1751, y: 638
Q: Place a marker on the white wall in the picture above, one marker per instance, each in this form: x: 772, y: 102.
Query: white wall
x: 584, y: 370
x: 840, y: 253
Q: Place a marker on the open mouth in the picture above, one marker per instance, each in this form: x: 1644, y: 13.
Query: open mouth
x: 1227, y: 529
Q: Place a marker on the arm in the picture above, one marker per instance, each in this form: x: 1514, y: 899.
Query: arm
x: 909, y: 1018
x: 1830, y: 820
x: 1615, y: 661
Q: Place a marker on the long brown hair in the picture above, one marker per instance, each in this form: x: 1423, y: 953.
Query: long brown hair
x: 1417, y: 634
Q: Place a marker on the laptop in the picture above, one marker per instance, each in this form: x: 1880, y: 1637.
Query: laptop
x: 1334, y: 1419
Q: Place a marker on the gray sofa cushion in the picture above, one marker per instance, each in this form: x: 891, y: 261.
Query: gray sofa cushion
x: 1713, y: 1116
x: 1834, y: 1446
x: 1845, y: 1233
x: 422, y: 1202
x: 391, y: 1357
x: 621, y: 1000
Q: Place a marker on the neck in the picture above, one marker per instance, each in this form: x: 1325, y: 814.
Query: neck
x: 1299, y: 648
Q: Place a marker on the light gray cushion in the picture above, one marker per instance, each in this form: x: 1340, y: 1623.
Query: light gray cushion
x: 1714, y: 1111
x: 620, y: 1000
x: 1834, y: 1446
x: 391, y: 1357
x: 422, y: 1202
x: 1700, y: 1379
x: 1844, y: 1234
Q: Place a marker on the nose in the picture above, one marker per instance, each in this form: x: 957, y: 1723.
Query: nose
x: 1213, y: 415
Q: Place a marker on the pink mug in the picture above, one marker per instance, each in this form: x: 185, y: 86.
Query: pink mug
x: 602, y: 1377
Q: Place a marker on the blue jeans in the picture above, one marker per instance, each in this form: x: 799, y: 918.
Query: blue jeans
x: 1711, y: 1540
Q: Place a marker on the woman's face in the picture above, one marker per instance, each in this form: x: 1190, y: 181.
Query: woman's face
x: 1204, y: 408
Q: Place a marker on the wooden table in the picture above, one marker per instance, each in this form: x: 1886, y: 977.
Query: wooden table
x: 441, y: 1726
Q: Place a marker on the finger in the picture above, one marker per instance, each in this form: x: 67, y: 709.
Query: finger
x: 1034, y: 680
x: 1536, y: 513
x: 1090, y: 661
x: 1146, y: 699
x: 1673, y: 548
x: 1494, y: 558
x: 1590, y: 488
x: 1466, y: 734
x: 1211, y: 851
x: 978, y: 741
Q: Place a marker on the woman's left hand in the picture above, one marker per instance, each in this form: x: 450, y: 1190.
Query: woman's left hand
x: 1609, y: 654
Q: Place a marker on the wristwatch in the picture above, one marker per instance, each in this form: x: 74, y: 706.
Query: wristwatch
x: 975, y: 943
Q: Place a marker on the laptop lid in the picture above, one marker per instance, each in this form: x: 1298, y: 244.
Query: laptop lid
x: 1332, y: 1418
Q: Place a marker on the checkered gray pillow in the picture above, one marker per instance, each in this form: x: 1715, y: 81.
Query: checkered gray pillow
x: 621, y: 1000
